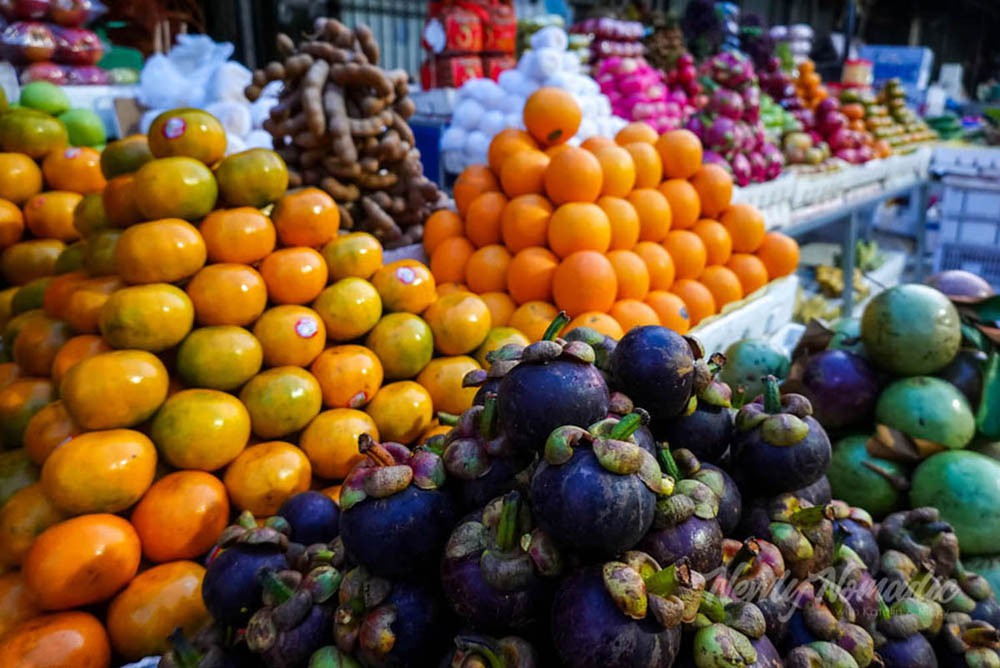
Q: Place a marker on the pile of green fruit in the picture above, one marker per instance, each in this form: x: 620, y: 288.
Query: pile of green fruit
x: 43, y: 117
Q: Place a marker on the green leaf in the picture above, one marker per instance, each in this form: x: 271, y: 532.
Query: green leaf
x: 987, y: 310
x: 974, y: 336
x: 988, y: 414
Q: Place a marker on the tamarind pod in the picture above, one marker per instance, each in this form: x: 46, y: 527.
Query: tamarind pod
x: 296, y: 66
x: 358, y: 74
x: 312, y: 157
x: 346, y: 219
x: 274, y: 71
x: 399, y: 124
x: 286, y: 47
x: 369, y: 164
x: 307, y: 139
x: 312, y: 96
x: 325, y: 51
x: 378, y: 181
x: 405, y: 107
x: 294, y: 178
x: 288, y: 103
x: 252, y: 92
x: 341, y: 168
x: 338, y: 33
x: 312, y: 176
x: 366, y: 40
x: 371, y: 126
x: 259, y: 78
x: 339, y: 191
x: 336, y: 109
x: 378, y: 221
x: 290, y: 154
x: 412, y: 235
x: 371, y: 105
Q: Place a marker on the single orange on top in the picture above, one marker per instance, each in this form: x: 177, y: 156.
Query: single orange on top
x: 724, y: 285
x: 474, y: 181
x: 698, y: 299
x: 486, y: 269
x: 552, y: 115
x: 449, y: 259
x: 530, y: 275
x: 200, y: 429
x: 243, y: 235
x: 636, y: 131
x: 20, y: 177
x: 306, y: 217
x: 482, y: 220
x: 687, y: 251
x: 577, y: 226
x: 294, y: 275
x: 715, y: 189
x: 574, y: 176
x: 524, y: 222
x: 533, y: 318
x: 648, y: 166
x: 599, y: 322
x: 187, y: 132
x: 77, y: 169
x: 718, y: 243
x: 11, y: 223
x: 681, y: 153
x: 750, y: 270
x: 655, y: 217
x: 585, y: 281
x: 440, y: 225
x: 670, y: 309
x: 779, y: 253
x: 227, y: 294
x: 618, y: 169
x: 49, y: 215
x: 658, y: 262
x: 685, y: 206
x: 405, y: 285
x: 746, y: 227
x: 504, y: 144
x: 523, y: 173
x: 624, y: 222
x: 631, y: 313
x: 631, y: 273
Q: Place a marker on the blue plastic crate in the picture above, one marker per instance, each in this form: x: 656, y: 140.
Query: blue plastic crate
x: 910, y: 64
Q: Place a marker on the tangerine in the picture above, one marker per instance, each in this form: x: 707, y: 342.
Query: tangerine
x: 28, y: 260
x: 718, y: 243
x: 533, y: 318
x: 348, y: 376
x: 354, y: 255
x: 349, y: 308
x: 681, y: 153
x: 114, y: 390
x: 442, y: 378
x: 525, y: 222
x: 11, y: 223
x: 150, y: 317
x: 401, y: 411
x: 255, y: 177
x: 306, y: 217
x: 584, y: 281
x: 124, y: 156
x: 192, y: 133
x: 631, y: 273
x: 698, y: 299
x: 654, y: 213
x: 724, y: 285
x: 658, y: 262
x: 552, y: 115
x: 280, y: 401
x: 497, y: 338
x: 449, y: 259
x: 21, y: 177
x: 648, y: 166
x: 178, y: 187
x: 49, y: 215
x: 618, y: 170
x: 63, y: 640
x: 404, y: 344
x: 77, y: 348
x: 501, y: 306
x: 685, y: 207
x: 459, y: 323
x: 574, y: 175
x: 263, y: 476
x: 243, y: 235
x: 624, y: 221
x: 440, y: 225
x: 200, y: 429
x: 181, y: 516
x: 715, y: 189
x: 779, y: 253
x: 220, y: 358
x: 486, y: 269
x: 405, y: 285
x: 16, y: 602
x: 19, y: 401
x: 629, y: 313
x: 745, y: 224
x: 290, y: 335
x: 670, y: 309
x: 472, y: 182
x: 530, y: 275
x: 120, y: 205
x: 76, y: 169
x: 331, y: 441
x: 687, y: 251
x: 750, y: 270
x: 48, y: 429
x: 504, y: 144
x: 294, y: 275
x: 602, y: 323
x: 482, y: 220
x: 523, y: 173
x: 89, y: 216
x: 636, y: 131
x: 27, y: 513
x: 578, y: 226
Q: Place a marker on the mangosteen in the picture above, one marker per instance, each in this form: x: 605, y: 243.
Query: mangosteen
x: 965, y: 642
x: 817, y: 493
x: 705, y: 427
x: 923, y: 537
x: 826, y: 615
x: 624, y: 613
x: 900, y: 640
x: 473, y: 651
x: 778, y: 446
x: 728, y: 630
x: 497, y: 568
x: 209, y: 648
x: 332, y: 657
x: 821, y: 653
x: 856, y: 584
x: 231, y: 588
x: 387, y: 624
x: 554, y: 383
x: 655, y: 367
x: 853, y: 527
x: 314, y: 517
x: 841, y: 387
x: 395, y: 518
x: 767, y: 654
x: 602, y: 344
x: 595, y: 491
x: 753, y: 571
x: 726, y: 490
x: 802, y: 532
x: 619, y: 406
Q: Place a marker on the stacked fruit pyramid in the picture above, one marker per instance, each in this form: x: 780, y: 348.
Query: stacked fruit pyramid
x: 634, y: 231
x: 184, y: 339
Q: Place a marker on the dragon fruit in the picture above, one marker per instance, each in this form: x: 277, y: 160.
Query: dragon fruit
x: 726, y: 102
x: 742, y: 169
x: 720, y: 134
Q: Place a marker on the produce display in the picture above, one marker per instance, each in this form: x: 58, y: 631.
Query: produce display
x: 340, y: 125
x: 889, y: 118
x: 47, y: 120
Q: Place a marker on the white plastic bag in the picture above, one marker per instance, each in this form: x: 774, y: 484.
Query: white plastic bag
x: 228, y: 83
x: 550, y: 37
x: 258, y: 139
x: 234, y: 116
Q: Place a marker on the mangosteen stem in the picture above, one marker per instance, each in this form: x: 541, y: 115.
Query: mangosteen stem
x: 667, y: 581
x: 883, y: 610
x: 374, y: 451
x: 447, y: 419
x: 507, y: 534
x: 899, y: 482
x: 247, y: 520
x: 981, y: 637
x: 187, y: 655
x: 715, y: 363
x: 628, y: 425
x: 667, y: 461
x: 274, y: 586
x: 772, y: 395
x: 489, y: 417
x: 807, y: 517
x: 478, y: 646
x: 712, y: 607
x: 556, y: 326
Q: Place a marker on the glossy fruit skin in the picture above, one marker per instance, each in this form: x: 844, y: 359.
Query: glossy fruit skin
x: 405, y: 285
x: 349, y: 308
x: 330, y: 441
x: 706, y: 432
x: 62, y: 640
x: 181, y: 516
x: 401, y: 411
x: 125, y: 155
x: 227, y: 294
x: 16, y: 472
x: 81, y: 561
x: 913, y: 650
x: 150, y: 317
x: 840, y: 385
x: 699, y: 540
x: 442, y: 378
x: 114, y: 390
x: 200, y: 429
x: 349, y: 376
x: 176, y: 187
x: 219, y: 358
x: 730, y: 501
x: 155, y: 603
x: 290, y: 335
x: 264, y: 475
x: 357, y: 254
x: 403, y: 342
x: 417, y: 627
x: 654, y: 366
x: 929, y: 408
x: 281, y: 401
x: 187, y: 132
x: 314, y: 517
x: 459, y: 323
x: 748, y: 361
x: 852, y: 480
x: 965, y: 372
x: 19, y: 401
x: 773, y: 469
x: 22, y: 517
x: 231, y: 588
x: 589, y: 631
x: 16, y: 603
x: 268, y: 178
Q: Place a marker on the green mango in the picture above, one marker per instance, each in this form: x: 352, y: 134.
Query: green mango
x: 748, y: 362
x: 965, y: 487
x: 988, y: 567
x: 865, y: 481
x: 928, y: 408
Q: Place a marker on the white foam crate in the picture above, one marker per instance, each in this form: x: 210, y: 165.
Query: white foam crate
x: 765, y: 195
x: 758, y: 316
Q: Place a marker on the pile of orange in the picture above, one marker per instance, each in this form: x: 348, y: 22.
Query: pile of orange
x: 621, y: 233
x: 183, y: 340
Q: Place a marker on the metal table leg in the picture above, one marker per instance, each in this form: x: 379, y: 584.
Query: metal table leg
x: 847, y: 261
x: 922, y: 196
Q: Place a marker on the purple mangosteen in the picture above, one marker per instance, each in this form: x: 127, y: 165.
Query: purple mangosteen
x: 655, y: 366
x: 841, y: 387
x: 854, y: 528
x: 965, y: 642
x: 475, y: 651
x: 706, y: 425
x: 314, y: 517
x: 727, y: 491
x: 823, y: 615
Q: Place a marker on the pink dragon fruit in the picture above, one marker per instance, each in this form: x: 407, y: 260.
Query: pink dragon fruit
x: 775, y: 160
x: 758, y: 167
x: 751, y: 104
x: 728, y: 103
x: 731, y: 69
x: 710, y: 157
x: 741, y: 170
x: 720, y: 134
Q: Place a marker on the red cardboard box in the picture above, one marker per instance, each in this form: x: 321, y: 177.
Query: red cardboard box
x: 494, y: 64
x: 449, y: 71
x: 452, y: 27
x: 499, y: 27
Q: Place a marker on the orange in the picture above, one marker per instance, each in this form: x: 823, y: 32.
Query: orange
x: 486, y: 269
x: 624, y: 221
x: 83, y: 307
x: 11, y: 223
x: 221, y: 358
x: 715, y: 189
x: 459, y: 322
x: 403, y: 343
x: 76, y: 349
x: 533, y: 318
x: 745, y: 224
x: 16, y: 602
x: 501, y: 306
x: 64, y: 640
x: 405, y: 285
x: 553, y: 151
x: 718, y: 243
x: 242, y: 235
x: 331, y: 441
x: 552, y: 115
x: 181, y: 516
x: 670, y: 309
x: 779, y: 253
x: 306, y: 217
x: 58, y: 291
x: 631, y: 273
x: 636, y: 131
x: 631, y: 313
x: 281, y: 401
x: 698, y: 299
x: 294, y: 275
x: 100, y: 254
x: 357, y: 255
x: 82, y: 561
x: 599, y: 322
x: 482, y: 220
x: 200, y: 429
x: 27, y: 513
x: 448, y: 288
x: 120, y: 205
x: 89, y: 215
x: 37, y: 344
x: 349, y: 308
x: 174, y: 188
x: 442, y: 379
x: 255, y: 177
x: 597, y: 142
x: 227, y: 294
x: 681, y: 153
x: 266, y: 474
x: 504, y: 144
x: 654, y: 213
x: 77, y: 169
x: 648, y: 166
x: 401, y: 411
x: 498, y: 338
x: 150, y: 317
x: 687, y: 251
x: 290, y: 335
x: 723, y: 284
x: 124, y: 156
x: 524, y: 222
x: 25, y: 261
x: 449, y: 259
x: 348, y: 376
x: 584, y: 281
x: 49, y: 215
x: 574, y: 176
x: 530, y: 275
x: 440, y: 225
x: 113, y: 390
x: 658, y: 262
x: 435, y: 429
x: 48, y: 429
x: 187, y: 132
x: 20, y: 177
x: 750, y: 270
x: 618, y: 170
x: 684, y: 203
x: 577, y: 226
x: 523, y: 173
x: 477, y: 179
x: 99, y: 471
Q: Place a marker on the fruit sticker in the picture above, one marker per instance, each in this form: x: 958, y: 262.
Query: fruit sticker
x: 358, y: 400
x: 71, y: 152
x: 174, y: 128
x: 306, y: 328
x: 406, y: 275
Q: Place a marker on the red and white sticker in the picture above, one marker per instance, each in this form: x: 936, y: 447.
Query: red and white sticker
x: 174, y: 128
x: 358, y: 400
x: 306, y: 327
x: 406, y: 275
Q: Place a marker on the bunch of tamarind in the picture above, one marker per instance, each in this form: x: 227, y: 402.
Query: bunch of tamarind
x: 341, y: 125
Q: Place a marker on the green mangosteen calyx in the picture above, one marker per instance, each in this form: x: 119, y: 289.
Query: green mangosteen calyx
x: 726, y: 630
x: 360, y: 602
x: 780, y: 418
x: 274, y: 532
x: 924, y: 537
x: 690, y: 497
x: 289, y: 598
x: 469, y: 448
x: 332, y: 657
x: 802, y: 532
x: 390, y: 468
x: 639, y: 588
x: 820, y: 653
x: 754, y: 566
x: 706, y: 387
x: 976, y: 640
x: 476, y: 651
